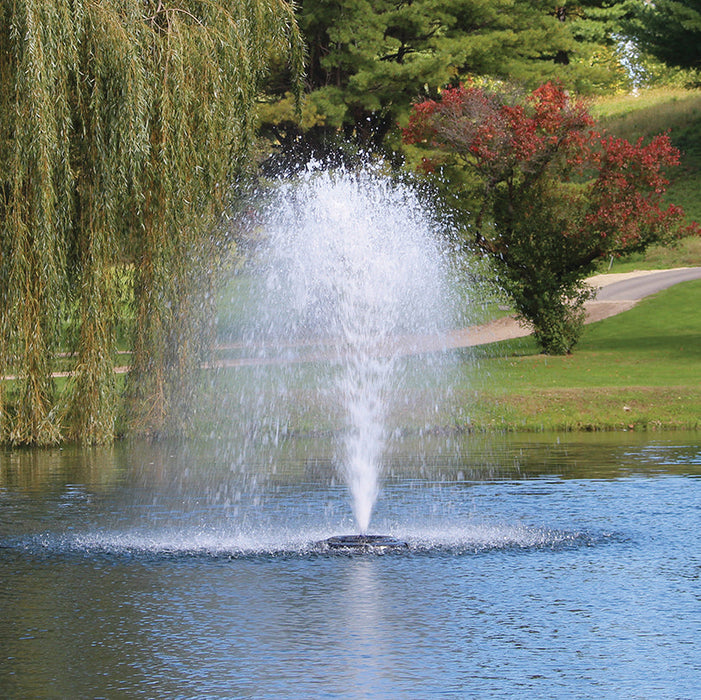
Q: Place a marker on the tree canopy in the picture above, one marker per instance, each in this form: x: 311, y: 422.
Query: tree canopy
x: 123, y: 124
x: 670, y: 30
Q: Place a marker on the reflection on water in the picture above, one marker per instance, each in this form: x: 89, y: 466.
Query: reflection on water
x: 539, y: 567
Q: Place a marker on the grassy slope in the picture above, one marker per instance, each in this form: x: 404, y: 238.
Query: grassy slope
x: 686, y: 253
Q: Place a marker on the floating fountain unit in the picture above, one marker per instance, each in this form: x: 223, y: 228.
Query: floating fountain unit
x: 375, y: 544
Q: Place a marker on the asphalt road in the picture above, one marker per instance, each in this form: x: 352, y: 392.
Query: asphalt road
x: 616, y: 293
x: 640, y: 286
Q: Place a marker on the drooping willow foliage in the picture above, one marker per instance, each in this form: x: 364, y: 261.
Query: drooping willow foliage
x: 123, y: 124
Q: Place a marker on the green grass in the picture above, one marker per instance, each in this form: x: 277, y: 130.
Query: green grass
x: 638, y: 370
x: 684, y: 253
x: 648, y: 111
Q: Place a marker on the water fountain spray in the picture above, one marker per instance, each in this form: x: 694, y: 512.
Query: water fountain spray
x: 351, y: 264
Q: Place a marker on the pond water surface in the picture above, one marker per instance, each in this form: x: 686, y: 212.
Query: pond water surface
x: 537, y: 567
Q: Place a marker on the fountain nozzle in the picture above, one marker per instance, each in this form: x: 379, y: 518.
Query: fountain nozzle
x: 378, y: 544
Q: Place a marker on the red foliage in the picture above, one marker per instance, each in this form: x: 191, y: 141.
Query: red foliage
x: 625, y: 197
x: 420, y: 128
x: 550, y: 135
x: 489, y: 132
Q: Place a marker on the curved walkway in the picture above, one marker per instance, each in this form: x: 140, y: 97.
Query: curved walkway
x: 616, y: 292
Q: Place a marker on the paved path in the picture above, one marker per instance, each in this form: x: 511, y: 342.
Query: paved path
x: 636, y: 285
x: 617, y: 292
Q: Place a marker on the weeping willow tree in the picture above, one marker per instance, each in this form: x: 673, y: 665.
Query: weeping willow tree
x: 123, y: 124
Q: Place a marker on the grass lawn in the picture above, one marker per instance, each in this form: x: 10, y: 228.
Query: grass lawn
x: 638, y: 370
x: 685, y: 253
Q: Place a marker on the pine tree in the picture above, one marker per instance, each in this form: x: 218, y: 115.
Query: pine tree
x: 671, y: 31
x: 590, y: 61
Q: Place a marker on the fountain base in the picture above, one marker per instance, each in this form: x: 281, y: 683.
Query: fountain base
x: 362, y: 543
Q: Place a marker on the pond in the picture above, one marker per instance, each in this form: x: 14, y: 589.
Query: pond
x: 550, y: 566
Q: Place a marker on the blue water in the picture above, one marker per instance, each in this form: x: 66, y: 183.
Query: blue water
x: 542, y: 568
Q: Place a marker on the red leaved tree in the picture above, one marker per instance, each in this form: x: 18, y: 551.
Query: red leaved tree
x: 549, y: 194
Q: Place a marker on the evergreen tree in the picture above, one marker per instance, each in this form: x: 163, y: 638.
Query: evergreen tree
x: 591, y: 60
x: 671, y: 31
x: 370, y: 59
x: 123, y: 123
